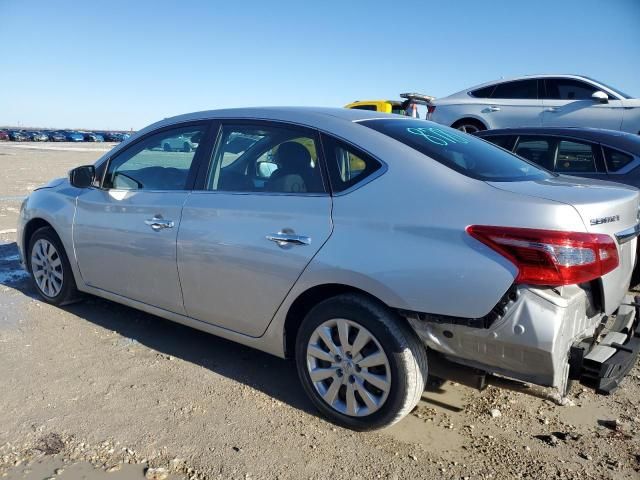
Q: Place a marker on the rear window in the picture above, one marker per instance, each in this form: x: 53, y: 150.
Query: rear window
x: 463, y: 153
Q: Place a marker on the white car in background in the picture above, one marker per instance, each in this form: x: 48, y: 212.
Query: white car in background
x: 538, y: 100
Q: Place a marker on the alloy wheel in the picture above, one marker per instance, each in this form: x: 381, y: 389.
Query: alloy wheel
x: 46, y: 265
x: 348, y: 367
x: 468, y: 128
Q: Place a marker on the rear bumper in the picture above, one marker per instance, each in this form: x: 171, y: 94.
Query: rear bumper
x: 608, y: 361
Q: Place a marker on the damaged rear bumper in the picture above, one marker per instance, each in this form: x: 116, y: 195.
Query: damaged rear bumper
x: 607, y: 362
x: 542, y: 336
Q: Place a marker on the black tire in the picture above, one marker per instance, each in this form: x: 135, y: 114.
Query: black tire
x: 469, y: 125
x: 406, y: 355
x: 166, y: 147
x: 186, y: 147
x: 68, y: 292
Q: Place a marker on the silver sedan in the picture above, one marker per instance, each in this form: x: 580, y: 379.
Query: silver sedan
x: 368, y: 247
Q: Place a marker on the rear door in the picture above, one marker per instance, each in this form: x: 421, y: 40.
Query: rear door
x: 514, y: 104
x: 262, y: 212
x: 567, y: 103
x: 125, y: 231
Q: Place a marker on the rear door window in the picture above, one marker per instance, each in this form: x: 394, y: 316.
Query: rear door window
x: 539, y: 150
x: 616, y: 160
x: 520, y: 89
x: 463, y: 153
x: 575, y: 157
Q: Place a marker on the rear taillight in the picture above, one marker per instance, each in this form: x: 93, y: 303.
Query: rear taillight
x: 550, y: 257
x: 430, y: 110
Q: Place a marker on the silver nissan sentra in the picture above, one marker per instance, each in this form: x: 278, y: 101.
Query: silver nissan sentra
x: 368, y: 247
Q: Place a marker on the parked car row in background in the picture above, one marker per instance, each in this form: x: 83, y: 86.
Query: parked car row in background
x: 15, y: 135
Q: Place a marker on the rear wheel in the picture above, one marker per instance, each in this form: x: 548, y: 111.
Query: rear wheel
x: 186, y: 147
x: 359, y: 363
x: 166, y: 147
x: 49, y: 267
x: 469, y: 125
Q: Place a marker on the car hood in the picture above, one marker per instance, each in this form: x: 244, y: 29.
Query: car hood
x: 52, y: 183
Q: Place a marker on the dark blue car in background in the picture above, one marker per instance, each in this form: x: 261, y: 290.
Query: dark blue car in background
x: 584, y: 152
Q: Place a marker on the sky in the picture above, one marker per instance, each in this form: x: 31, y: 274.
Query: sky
x: 114, y: 64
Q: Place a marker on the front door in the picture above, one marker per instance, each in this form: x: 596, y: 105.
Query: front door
x: 567, y: 103
x: 247, y: 236
x: 125, y: 232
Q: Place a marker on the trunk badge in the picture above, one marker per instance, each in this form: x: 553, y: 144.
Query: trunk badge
x: 601, y: 220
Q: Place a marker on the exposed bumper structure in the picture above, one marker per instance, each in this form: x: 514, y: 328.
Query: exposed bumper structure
x: 605, y: 365
x: 543, y: 336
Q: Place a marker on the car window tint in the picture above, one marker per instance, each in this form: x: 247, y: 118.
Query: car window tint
x: 568, y: 89
x: 265, y: 159
x: 616, y: 159
x: 159, y: 162
x: 521, y: 89
x: 575, y: 157
x: 536, y: 149
x: 347, y: 165
x: 463, y: 153
x: 504, y: 141
x: 484, y: 92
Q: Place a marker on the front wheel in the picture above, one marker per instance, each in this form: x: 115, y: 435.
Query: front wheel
x: 49, y: 267
x: 359, y: 363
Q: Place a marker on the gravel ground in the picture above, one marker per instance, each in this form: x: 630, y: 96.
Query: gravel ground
x: 96, y: 384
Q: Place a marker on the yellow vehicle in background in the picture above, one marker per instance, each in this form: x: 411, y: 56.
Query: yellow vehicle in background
x: 399, y: 107
x: 386, y: 106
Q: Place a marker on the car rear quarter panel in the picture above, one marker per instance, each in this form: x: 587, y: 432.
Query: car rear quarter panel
x: 402, y: 238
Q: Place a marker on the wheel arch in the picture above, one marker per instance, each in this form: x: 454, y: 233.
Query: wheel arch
x: 309, y: 298
x: 30, y: 228
x: 471, y: 119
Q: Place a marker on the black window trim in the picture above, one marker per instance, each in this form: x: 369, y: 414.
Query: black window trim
x: 103, y: 166
x: 200, y: 184
x: 381, y: 170
x: 632, y: 165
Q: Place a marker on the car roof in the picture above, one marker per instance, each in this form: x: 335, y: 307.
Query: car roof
x: 311, y: 116
x: 614, y: 138
x: 525, y: 77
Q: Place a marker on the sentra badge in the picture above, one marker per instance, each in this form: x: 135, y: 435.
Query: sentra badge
x: 601, y: 220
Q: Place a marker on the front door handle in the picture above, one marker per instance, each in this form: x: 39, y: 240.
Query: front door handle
x: 284, y: 239
x: 159, y: 223
x: 553, y: 109
x: 493, y: 108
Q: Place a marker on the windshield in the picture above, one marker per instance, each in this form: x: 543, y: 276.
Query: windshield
x: 614, y: 90
x: 463, y: 153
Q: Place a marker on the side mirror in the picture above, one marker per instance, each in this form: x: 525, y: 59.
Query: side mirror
x: 600, y: 96
x: 82, y: 177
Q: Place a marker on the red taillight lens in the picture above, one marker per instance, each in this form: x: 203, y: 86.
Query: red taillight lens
x: 430, y: 110
x: 550, y: 257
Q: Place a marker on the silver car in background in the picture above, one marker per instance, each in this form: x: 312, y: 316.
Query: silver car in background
x: 368, y: 247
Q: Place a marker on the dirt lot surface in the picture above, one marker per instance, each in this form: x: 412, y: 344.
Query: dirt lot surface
x: 96, y: 384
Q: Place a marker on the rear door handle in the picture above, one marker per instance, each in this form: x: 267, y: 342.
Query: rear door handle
x: 284, y: 239
x: 493, y: 108
x: 158, y: 223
